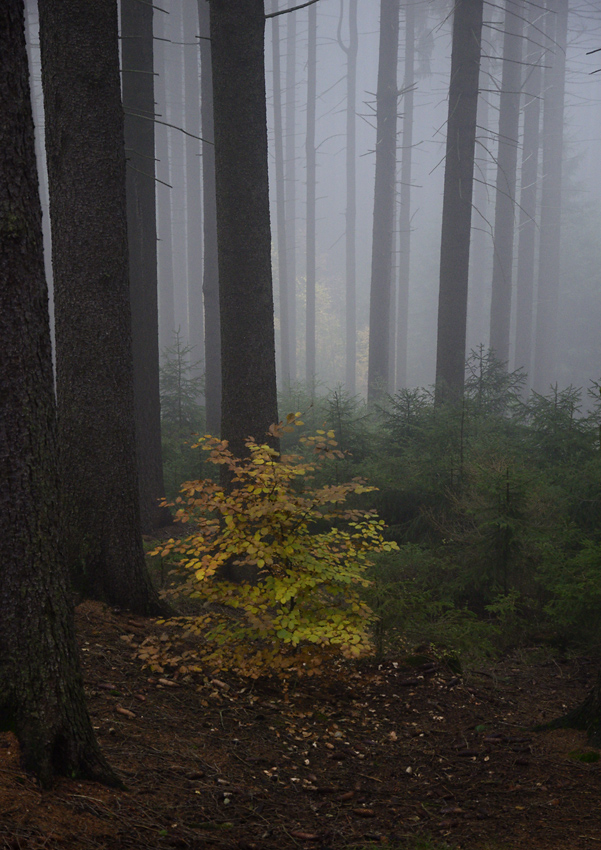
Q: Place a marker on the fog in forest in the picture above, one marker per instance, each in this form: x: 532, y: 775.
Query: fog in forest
x: 425, y: 30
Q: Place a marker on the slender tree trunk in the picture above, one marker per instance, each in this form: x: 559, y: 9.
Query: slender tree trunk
x: 41, y: 688
x: 86, y: 171
x: 505, y: 205
x: 311, y: 159
x: 290, y: 180
x: 405, y: 199
x: 545, y: 362
x: 163, y: 196
x: 478, y: 314
x: 210, y: 272
x: 280, y: 202
x: 457, y: 200
x: 138, y: 105
x: 351, y: 50
x: 384, y: 197
x: 528, y: 198
x: 249, y: 403
x: 194, y: 221
x: 176, y: 116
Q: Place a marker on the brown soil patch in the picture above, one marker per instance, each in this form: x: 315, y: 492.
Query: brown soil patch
x: 365, y: 756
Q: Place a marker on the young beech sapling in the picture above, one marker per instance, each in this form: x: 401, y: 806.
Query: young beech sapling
x: 305, y: 552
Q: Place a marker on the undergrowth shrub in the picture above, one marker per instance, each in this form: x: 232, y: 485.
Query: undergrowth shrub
x: 303, y: 552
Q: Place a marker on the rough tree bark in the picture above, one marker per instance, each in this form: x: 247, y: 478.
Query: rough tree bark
x: 384, y: 197
x: 86, y: 176
x: 457, y: 199
x: 41, y: 688
x: 138, y: 104
x: 249, y: 399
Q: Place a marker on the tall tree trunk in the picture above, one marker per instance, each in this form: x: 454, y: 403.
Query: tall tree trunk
x: 457, y: 200
x: 405, y: 199
x: 175, y: 111
x: 210, y: 270
x: 163, y: 196
x: 249, y: 402
x: 550, y: 216
x: 280, y: 202
x: 86, y: 171
x: 505, y: 206
x: 384, y: 197
x: 138, y: 105
x: 528, y: 198
x: 194, y: 222
x: 290, y: 181
x: 351, y: 50
x: 478, y: 313
x: 311, y: 159
x: 41, y: 688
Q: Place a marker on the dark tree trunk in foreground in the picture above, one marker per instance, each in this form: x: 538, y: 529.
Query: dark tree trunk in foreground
x: 528, y: 198
x: 457, y: 200
x: 384, y: 197
x: 210, y: 270
x: 249, y: 400
x: 405, y: 200
x: 311, y: 159
x: 586, y: 716
x: 547, y: 302
x: 41, y: 687
x: 280, y: 202
x: 351, y: 50
x: 138, y: 105
x: 86, y: 171
x: 505, y: 205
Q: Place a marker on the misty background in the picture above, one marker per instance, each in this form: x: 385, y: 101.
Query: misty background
x: 179, y: 180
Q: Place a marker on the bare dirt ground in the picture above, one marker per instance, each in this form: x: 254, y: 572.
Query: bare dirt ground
x: 400, y: 754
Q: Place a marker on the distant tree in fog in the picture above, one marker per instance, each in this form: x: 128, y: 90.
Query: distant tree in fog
x: 94, y: 366
x: 351, y: 51
x: 194, y: 223
x: 533, y: 56
x: 384, y: 198
x: 547, y: 299
x: 505, y: 199
x: 457, y: 201
x: 249, y: 397
x: 210, y: 270
x: 163, y: 192
x: 311, y: 183
x: 290, y: 182
x: 280, y: 201
x: 138, y: 103
x: 402, y: 323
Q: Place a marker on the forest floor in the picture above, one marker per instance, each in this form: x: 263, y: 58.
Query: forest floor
x: 399, y: 754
